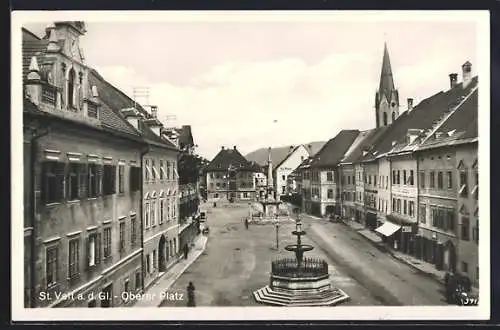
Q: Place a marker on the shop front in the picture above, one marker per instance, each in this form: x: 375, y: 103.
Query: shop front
x: 399, y: 233
x: 436, y: 248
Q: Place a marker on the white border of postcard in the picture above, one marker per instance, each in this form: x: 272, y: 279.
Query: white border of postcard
x: 480, y: 312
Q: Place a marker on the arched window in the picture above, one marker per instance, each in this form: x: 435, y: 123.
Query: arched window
x: 71, y: 88
x: 385, y: 118
x: 393, y: 116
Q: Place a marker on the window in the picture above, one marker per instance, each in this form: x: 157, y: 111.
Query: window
x: 135, y: 178
x: 133, y: 229
x: 283, y: 190
x: 410, y: 178
x: 385, y: 118
x: 422, y: 179
x: 52, y: 265
x: 53, y: 181
x: 283, y: 177
x: 74, y: 180
x: 126, y: 287
x: 245, y: 195
x: 153, y: 170
x: 93, y: 249
x: 154, y: 259
x: 465, y: 267
x: 94, y: 180
x: 404, y: 206
x: 463, y: 184
x: 121, y: 178
x: 107, y: 242
x: 153, y: 213
x: 146, y: 215
x: 122, y: 236
x: 464, y: 229
x: 399, y: 205
x: 162, y: 201
x: 369, y: 179
x: 432, y: 183
x: 423, y: 214
x: 329, y: 176
x: 168, y: 172
x: 74, y: 257
x: 411, y: 208
x: 147, y: 170
x: 394, y: 204
x: 404, y: 177
x: 374, y: 180
x: 148, y: 263
x: 386, y: 182
x: 138, y: 280
x: 449, y: 179
x: 476, y: 185
x: 161, y: 170
x: 394, y: 177
x: 475, y: 233
x: 399, y: 177
x: 440, y: 180
x: 109, y: 180
x: 330, y: 193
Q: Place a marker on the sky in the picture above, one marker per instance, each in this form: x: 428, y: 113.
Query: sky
x: 274, y: 83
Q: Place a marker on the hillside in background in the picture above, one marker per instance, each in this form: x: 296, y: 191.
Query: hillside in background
x: 278, y: 154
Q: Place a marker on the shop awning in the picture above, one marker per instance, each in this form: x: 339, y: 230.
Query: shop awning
x: 388, y: 228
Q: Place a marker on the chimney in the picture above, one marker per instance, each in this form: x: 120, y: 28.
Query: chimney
x: 291, y: 149
x: 453, y: 79
x: 234, y: 147
x: 154, y: 111
x: 410, y: 104
x: 466, y: 74
x: 222, y: 148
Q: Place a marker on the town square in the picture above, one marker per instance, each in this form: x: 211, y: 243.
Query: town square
x: 235, y: 163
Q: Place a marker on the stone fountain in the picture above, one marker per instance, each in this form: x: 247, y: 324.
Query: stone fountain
x: 300, y: 281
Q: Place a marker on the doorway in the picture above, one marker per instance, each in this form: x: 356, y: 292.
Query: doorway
x: 161, y: 254
x: 107, y: 296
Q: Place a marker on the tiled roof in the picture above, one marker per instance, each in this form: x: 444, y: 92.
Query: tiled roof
x: 279, y: 154
x: 423, y: 116
x: 363, y: 142
x: 333, y: 151
x: 459, y: 126
x: 229, y: 158
x: 117, y: 100
x: 32, y: 46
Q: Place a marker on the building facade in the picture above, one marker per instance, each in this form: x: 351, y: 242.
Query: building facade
x: 284, y: 168
x: 230, y: 177
x: 84, y: 222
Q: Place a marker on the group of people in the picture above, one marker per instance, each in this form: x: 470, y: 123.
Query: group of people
x: 455, y: 286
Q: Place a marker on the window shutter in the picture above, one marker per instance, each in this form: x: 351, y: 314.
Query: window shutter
x: 60, y: 172
x: 98, y: 249
x: 87, y: 253
x: 98, y: 179
x: 113, y: 176
x: 82, y: 180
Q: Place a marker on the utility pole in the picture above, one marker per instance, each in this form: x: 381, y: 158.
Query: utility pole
x: 140, y: 92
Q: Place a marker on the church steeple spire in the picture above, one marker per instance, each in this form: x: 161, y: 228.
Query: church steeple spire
x: 387, y: 97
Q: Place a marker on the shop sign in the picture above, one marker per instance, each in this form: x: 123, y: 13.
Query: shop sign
x: 406, y: 229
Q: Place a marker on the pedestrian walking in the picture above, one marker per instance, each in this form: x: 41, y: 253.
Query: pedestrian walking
x: 246, y: 223
x: 186, y: 250
x: 190, y: 294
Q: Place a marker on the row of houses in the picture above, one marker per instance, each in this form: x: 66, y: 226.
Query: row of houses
x: 104, y: 212
x: 413, y: 178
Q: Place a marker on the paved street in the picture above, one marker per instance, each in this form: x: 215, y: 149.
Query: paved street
x: 237, y: 262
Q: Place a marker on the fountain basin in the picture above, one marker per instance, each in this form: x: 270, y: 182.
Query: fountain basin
x: 302, y: 247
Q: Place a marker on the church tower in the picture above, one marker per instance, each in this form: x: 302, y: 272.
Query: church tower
x: 387, y: 97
